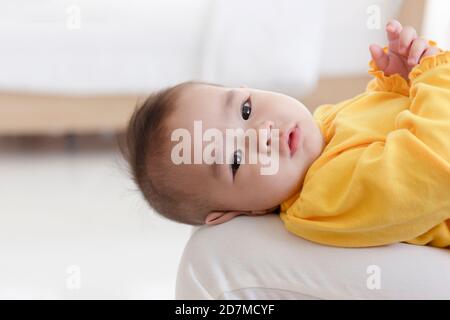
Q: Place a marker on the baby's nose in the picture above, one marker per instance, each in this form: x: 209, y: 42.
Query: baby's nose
x: 266, y: 127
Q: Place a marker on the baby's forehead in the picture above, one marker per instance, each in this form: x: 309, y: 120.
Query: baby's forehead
x: 198, y: 103
x: 201, y: 92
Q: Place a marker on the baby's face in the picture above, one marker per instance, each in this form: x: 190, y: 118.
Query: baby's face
x: 237, y: 184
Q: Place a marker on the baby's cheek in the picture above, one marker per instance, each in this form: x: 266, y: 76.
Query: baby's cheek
x: 255, y: 185
x: 267, y: 190
x: 273, y: 188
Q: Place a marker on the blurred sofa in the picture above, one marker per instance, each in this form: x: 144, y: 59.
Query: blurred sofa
x: 81, y: 66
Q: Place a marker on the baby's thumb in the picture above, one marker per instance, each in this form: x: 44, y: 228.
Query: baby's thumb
x: 379, y: 56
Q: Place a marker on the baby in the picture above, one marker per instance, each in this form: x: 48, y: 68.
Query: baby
x: 368, y: 171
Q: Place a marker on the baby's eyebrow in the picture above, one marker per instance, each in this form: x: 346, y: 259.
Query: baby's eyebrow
x: 229, y: 96
x: 216, y: 170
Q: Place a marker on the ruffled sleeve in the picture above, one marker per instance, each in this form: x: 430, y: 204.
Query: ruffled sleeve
x: 429, y: 63
x: 381, y: 82
x: 396, y: 83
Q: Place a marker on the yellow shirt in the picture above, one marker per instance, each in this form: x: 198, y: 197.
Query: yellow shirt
x: 384, y: 175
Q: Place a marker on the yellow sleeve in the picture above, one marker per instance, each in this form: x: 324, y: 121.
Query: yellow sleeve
x: 428, y: 116
x: 393, y: 83
x: 391, y: 189
x: 390, y: 86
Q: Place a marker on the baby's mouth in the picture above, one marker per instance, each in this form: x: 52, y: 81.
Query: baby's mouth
x: 293, y: 139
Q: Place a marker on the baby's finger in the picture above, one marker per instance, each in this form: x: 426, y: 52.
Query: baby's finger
x: 407, y: 36
x: 431, y: 51
x: 418, y: 47
x: 393, y: 29
x: 379, y: 56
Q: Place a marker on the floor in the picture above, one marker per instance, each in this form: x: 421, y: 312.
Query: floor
x: 73, y: 226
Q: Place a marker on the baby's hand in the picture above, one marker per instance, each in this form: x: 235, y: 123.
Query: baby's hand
x: 404, y: 51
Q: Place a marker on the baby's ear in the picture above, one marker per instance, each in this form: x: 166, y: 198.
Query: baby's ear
x: 218, y: 217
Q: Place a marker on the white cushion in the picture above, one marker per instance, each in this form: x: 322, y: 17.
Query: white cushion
x: 257, y: 258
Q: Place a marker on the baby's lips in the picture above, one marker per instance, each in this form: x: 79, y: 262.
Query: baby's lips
x: 289, y: 140
x: 294, y: 139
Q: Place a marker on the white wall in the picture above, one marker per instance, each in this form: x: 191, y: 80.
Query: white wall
x: 436, y: 24
x: 133, y: 46
x: 120, y: 45
x: 348, y: 33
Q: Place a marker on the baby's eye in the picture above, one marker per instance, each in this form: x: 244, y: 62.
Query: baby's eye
x: 246, y: 109
x: 236, y: 161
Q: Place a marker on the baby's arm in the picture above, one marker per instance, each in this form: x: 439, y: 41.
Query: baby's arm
x: 428, y: 115
x: 366, y: 191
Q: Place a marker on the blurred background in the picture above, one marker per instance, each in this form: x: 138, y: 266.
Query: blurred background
x: 72, y: 224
